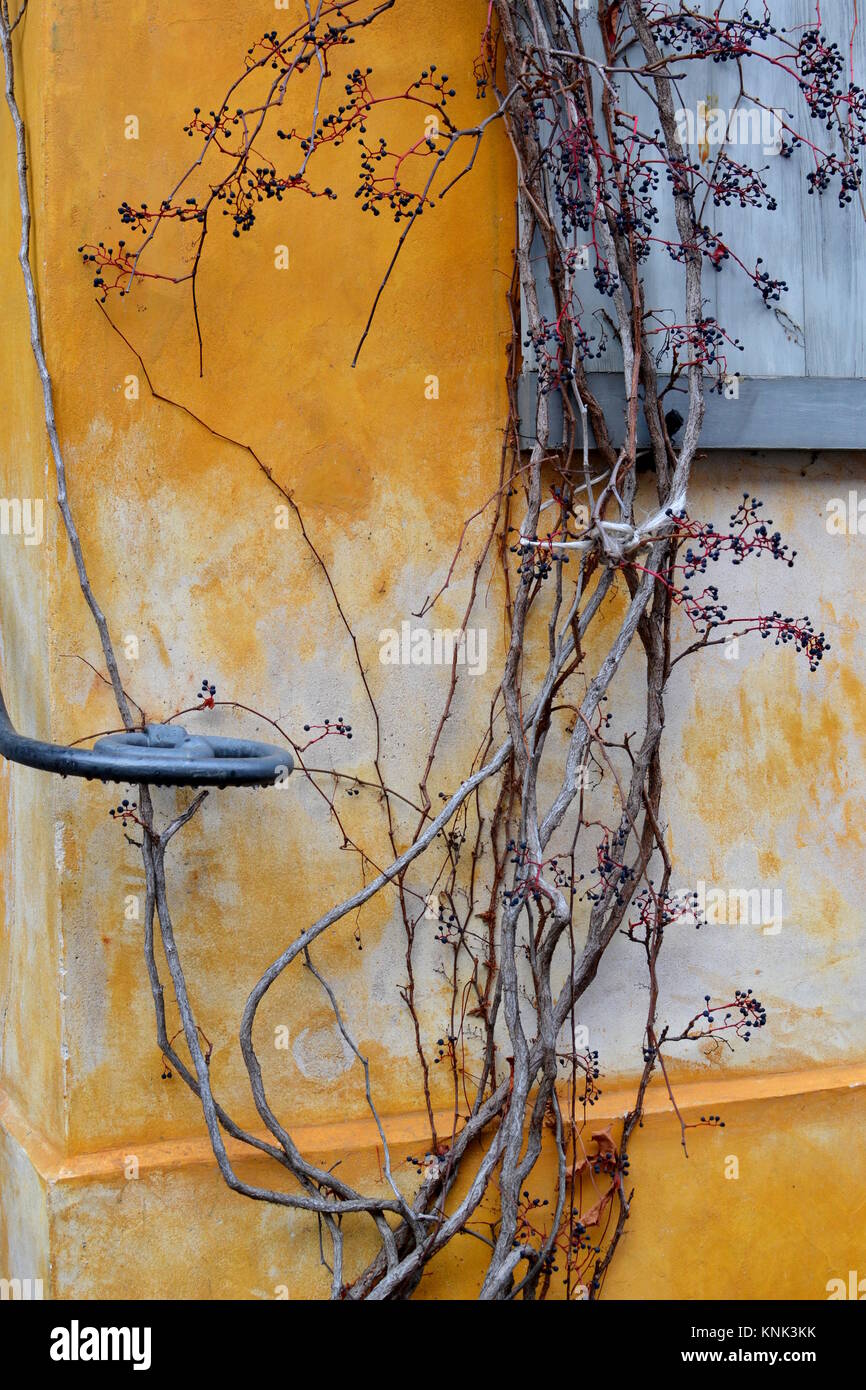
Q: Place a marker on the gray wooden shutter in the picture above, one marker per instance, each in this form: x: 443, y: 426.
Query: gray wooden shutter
x: 803, y: 366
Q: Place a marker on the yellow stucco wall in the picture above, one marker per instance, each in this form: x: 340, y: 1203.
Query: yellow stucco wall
x: 179, y: 535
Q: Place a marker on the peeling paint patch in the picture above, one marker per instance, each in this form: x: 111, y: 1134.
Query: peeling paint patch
x: 322, y: 1054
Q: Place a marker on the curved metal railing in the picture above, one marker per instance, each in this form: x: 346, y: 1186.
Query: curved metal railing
x: 165, y: 755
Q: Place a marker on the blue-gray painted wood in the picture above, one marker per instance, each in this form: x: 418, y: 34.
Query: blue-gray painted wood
x: 770, y: 413
x: 834, y: 264
x: 804, y: 359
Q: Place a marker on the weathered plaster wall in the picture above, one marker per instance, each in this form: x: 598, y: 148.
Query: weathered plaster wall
x: 31, y: 951
x: 179, y: 534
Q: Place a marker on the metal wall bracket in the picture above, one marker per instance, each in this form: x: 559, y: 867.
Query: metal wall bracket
x: 165, y: 755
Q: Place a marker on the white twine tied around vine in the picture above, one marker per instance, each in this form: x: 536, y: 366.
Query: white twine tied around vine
x: 618, y: 538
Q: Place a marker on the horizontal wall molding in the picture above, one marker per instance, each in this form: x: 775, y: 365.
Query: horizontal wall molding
x: 357, y: 1136
x: 779, y: 412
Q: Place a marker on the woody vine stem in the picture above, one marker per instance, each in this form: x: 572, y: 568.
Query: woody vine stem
x: 555, y: 840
